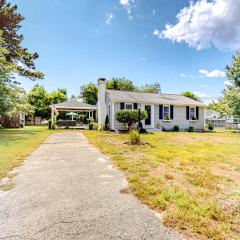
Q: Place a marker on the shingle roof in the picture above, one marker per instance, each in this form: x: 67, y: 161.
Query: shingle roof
x: 74, y: 105
x: 138, y: 97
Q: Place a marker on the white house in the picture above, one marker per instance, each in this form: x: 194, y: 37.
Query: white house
x: 164, y: 110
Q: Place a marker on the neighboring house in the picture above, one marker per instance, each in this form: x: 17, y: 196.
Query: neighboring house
x: 164, y: 110
x: 212, y: 114
x: 213, y: 117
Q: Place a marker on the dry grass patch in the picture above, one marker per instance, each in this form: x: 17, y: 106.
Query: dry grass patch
x: 191, y: 178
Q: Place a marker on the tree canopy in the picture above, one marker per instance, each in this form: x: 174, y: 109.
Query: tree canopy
x: 89, y: 93
x: 229, y: 104
x: 14, y: 53
x: 191, y: 95
x: 233, y: 70
x: 40, y: 100
x: 151, y: 88
x: 122, y: 84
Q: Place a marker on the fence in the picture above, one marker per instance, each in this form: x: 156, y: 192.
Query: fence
x: 223, y: 123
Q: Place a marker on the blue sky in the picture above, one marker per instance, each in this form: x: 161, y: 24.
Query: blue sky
x: 81, y: 40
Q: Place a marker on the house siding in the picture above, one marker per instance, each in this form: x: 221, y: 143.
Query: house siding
x: 179, y: 118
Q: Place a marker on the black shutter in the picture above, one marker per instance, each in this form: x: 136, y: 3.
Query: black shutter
x: 197, y: 112
x: 122, y: 105
x: 135, y: 106
x: 160, y: 111
x: 171, y: 111
x: 187, y: 112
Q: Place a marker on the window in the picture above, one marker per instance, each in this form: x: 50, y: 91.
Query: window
x: 192, y: 113
x: 166, y: 112
x: 129, y: 106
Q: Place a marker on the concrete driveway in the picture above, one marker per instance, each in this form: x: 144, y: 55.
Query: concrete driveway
x: 67, y: 189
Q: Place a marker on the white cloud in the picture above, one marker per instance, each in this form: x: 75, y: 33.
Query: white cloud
x: 143, y: 59
x: 212, y: 74
x: 206, y: 23
x: 199, y: 94
x: 183, y: 75
x: 157, y: 33
x: 154, y: 12
x: 125, y: 2
x: 109, y: 18
x: 128, y: 5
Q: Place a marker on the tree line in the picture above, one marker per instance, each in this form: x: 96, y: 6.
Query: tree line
x: 88, y: 92
x: 16, y: 60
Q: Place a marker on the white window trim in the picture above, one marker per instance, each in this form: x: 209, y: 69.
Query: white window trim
x: 128, y: 104
x: 169, y: 113
x: 195, y: 114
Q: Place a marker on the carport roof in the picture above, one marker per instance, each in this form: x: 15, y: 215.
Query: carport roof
x: 74, y: 105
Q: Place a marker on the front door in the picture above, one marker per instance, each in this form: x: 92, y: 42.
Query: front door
x: 148, y: 121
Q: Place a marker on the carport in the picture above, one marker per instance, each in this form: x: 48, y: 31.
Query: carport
x: 72, y: 107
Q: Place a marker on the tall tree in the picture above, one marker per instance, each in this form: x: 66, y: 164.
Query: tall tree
x: 88, y: 93
x: 58, y: 96
x: 40, y: 100
x: 191, y: 95
x: 233, y: 71
x: 6, y: 101
x: 21, y: 58
x: 122, y: 84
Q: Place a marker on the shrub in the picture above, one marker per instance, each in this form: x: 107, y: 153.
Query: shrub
x: 49, y: 124
x: 134, y: 136
x: 176, y: 128
x: 191, y: 129
x: 164, y: 129
x: 92, y: 126
x: 130, y: 117
x: 107, y: 127
x: 210, y: 127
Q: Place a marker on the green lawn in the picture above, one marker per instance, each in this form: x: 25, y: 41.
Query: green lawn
x: 16, y: 144
x: 192, y: 179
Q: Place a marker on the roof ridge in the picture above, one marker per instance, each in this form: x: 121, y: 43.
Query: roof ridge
x: 144, y: 92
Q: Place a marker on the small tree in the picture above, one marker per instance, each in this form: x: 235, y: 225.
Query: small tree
x: 130, y: 117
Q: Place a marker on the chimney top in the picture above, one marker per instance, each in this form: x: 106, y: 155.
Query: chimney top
x: 102, y: 80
